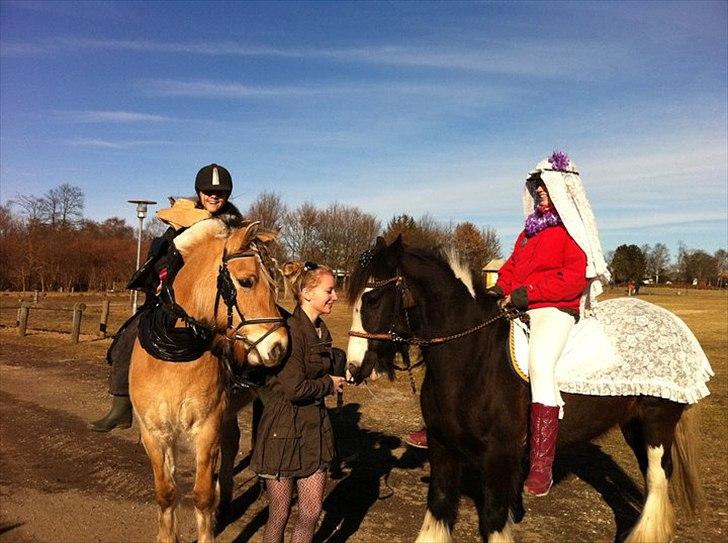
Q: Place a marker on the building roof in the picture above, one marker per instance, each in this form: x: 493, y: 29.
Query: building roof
x: 494, y: 265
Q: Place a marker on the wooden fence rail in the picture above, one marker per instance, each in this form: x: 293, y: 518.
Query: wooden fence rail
x: 76, y: 312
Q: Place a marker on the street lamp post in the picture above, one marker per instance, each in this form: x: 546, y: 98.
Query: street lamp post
x: 141, y: 211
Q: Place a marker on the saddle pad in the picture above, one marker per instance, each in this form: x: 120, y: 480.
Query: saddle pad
x: 646, y: 350
x: 588, y: 350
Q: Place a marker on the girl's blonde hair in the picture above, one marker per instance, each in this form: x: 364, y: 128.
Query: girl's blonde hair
x: 300, y: 275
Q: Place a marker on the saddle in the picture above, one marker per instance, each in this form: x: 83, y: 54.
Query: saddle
x: 588, y: 350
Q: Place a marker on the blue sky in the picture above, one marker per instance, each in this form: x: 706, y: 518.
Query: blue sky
x: 436, y: 108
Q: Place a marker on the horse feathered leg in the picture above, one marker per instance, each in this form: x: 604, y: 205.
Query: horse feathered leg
x: 657, y: 518
x: 206, y: 492
x: 443, y: 495
x: 501, y: 492
x: 161, y: 452
x: 659, y: 418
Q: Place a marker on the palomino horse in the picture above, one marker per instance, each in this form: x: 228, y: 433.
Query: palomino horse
x: 220, y: 314
x: 476, y: 408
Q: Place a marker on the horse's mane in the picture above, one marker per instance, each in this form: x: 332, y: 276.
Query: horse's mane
x: 445, y: 257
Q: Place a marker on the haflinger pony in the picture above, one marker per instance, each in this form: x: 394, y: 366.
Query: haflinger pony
x: 215, y: 315
x: 475, y: 405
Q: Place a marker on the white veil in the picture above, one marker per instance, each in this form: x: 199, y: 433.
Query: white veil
x: 568, y: 196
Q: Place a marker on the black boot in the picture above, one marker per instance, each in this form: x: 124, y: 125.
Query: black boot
x: 119, y: 416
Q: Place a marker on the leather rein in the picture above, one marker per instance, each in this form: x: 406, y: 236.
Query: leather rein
x: 408, y: 302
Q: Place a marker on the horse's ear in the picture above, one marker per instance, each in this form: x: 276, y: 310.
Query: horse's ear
x: 250, y: 232
x: 266, y: 236
x: 380, y: 244
x: 398, y: 245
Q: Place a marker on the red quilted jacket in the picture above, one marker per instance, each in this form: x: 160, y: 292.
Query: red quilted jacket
x: 550, y: 265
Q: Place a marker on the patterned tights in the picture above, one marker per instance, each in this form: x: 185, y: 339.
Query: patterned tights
x: 310, y: 498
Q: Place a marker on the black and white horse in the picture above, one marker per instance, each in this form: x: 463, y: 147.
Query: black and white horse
x: 476, y: 408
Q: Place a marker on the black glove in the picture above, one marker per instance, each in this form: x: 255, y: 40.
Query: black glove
x: 495, y: 291
x: 519, y: 298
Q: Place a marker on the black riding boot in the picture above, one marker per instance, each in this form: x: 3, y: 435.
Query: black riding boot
x: 119, y: 416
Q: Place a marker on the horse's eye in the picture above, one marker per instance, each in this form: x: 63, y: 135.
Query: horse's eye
x: 246, y: 282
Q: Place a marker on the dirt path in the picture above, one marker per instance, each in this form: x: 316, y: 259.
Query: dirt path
x: 61, y: 482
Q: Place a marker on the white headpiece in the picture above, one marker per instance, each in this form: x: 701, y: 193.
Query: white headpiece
x: 562, y: 180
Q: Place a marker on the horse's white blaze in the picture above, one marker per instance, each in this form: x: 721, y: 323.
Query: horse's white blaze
x: 461, y: 270
x: 357, y: 346
x: 657, y: 519
x: 505, y: 535
x: 433, y: 530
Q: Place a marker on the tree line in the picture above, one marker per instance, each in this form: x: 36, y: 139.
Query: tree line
x: 47, y: 244
x: 653, y: 263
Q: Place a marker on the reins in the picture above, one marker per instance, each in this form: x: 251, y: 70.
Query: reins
x: 399, y: 281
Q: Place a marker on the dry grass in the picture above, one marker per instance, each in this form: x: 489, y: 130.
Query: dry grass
x: 573, y: 511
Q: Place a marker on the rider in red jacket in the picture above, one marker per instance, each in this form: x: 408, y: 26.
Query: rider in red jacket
x: 548, y: 275
x: 549, y: 266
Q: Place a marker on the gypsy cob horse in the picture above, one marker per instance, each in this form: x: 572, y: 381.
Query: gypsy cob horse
x: 215, y: 315
x: 476, y: 408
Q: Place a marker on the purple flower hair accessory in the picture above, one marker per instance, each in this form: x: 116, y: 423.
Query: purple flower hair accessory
x: 560, y: 161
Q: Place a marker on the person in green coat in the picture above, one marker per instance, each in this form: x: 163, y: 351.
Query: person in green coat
x: 295, y: 444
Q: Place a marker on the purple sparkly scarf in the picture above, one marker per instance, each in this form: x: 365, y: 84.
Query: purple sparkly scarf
x: 540, y: 219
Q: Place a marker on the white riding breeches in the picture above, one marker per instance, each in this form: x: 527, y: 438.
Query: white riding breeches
x: 550, y: 329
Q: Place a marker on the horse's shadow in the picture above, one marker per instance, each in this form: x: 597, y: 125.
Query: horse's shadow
x: 599, y: 470
x: 365, y: 460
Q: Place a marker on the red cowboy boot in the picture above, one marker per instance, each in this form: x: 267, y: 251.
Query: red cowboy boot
x: 544, y: 430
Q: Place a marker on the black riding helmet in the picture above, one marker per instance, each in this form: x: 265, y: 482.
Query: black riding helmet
x: 213, y: 178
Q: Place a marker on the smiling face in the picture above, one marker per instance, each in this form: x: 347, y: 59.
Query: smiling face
x: 539, y: 191
x: 318, y: 298
x: 213, y: 200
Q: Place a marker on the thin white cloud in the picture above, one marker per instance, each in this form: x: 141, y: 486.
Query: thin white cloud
x: 665, y: 218
x: 109, y: 144
x: 535, y: 58
x: 92, y: 116
x: 450, y: 91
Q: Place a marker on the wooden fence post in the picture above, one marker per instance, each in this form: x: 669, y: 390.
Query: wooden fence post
x: 23, y: 321
x: 76, y: 326
x: 35, y: 296
x: 104, y: 318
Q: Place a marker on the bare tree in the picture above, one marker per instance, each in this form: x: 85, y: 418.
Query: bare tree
x: 657, y: 259
x: 300, y: 236
x: 344, y: 232
x: 269, y: 209
x: 32, y: 206
x: 65, y: 204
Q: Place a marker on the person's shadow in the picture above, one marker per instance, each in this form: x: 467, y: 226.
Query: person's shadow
x: 367, y: 456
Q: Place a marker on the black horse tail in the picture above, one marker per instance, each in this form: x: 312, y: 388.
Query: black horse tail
x: 687, y: 490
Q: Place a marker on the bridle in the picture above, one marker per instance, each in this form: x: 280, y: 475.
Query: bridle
x: 227, y: 291
x: 407, y: 301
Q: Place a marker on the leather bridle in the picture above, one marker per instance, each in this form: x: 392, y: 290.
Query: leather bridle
x: 227, y: 291
x: 406, y: 302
